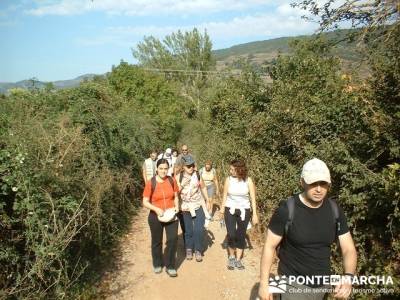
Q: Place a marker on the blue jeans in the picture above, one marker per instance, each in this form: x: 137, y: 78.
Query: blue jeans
x: 194, y: 229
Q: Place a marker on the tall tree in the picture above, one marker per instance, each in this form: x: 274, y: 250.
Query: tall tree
x: 189, y: 50
x: 185, y: 56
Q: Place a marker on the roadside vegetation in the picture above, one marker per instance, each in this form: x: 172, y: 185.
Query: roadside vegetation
x: 70, y: 159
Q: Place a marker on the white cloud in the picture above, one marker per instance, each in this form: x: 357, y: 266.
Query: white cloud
x: 286, y: 9
x: 268, y: 25
x: 142, y: 7
x: 63, y: 7
x: 285, y: 21
x: 7, y: 11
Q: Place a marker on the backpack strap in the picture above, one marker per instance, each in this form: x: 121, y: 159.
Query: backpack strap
x: 153, y: 186
x: 335, y: 210
x: 290, y: 202
x: 171, y: 181
x: 154, y: 183
x: 180, y: 177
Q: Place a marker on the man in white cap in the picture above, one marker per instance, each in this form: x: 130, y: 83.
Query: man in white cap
x: 304, y: 227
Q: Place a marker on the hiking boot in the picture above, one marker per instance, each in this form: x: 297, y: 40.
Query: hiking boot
x: 239, y: 265
x: 172, y: 272
x: 231, y: 263
x: 189, y: 254
x: 157, y: 270
x: 199, y: 257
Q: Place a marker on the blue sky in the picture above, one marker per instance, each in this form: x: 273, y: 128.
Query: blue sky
x: 62, y: 39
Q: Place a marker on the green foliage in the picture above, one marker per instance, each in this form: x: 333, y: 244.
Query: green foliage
x: 313, y: 109
x: 370, y: 16
x: 385, y: 93
x: 156, y: 98
x: 190, y: 50
x: 185, y: 57
x: 70, y: 165
x: 70, y: 160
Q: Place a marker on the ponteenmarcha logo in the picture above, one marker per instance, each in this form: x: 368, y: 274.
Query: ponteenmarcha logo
x: 277, y: 284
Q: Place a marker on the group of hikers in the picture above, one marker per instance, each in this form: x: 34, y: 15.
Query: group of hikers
x: 301, y: 230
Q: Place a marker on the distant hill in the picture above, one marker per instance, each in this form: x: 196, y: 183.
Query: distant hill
x: 256, y: 53
x: 264, y: 51
x: 31, y: 83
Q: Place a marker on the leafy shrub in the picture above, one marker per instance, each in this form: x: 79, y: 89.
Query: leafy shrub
x: 313, y: 109
x: 70, y: 165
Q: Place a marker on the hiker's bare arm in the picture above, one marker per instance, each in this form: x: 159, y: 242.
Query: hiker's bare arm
x: 144, y: 173
x: 176, y: 202
x: 147, y: 204
x: 271, y: 242
x: 224, y: 195
x: 349, y: 264
x: 177, y: 182
x: 252, y: 192
x: 205, y: 198
x: 349, y: 253
x: 216, y: 182
x: 177, y: 168
x: 181, y: 183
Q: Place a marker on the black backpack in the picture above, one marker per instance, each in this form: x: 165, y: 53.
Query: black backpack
x: 290, y: 202
x: 154, y: 183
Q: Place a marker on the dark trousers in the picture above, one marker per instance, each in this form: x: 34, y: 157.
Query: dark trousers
x: 157, y: 229
x: 236, y: 228
x: 182, y: 223
x: 194, y: 229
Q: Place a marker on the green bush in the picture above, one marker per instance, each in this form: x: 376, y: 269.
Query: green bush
x: 313, y: 109
x: 70, y: 176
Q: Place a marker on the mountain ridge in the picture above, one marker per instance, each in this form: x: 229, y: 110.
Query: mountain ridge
x: 256, y: 52
x: 33, y: 83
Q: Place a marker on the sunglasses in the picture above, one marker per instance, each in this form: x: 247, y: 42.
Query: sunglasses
x: 190, y: 166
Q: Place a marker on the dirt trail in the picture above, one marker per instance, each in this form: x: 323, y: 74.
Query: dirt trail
x: 210, y: 279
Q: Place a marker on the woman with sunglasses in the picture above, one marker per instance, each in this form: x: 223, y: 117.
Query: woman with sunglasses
x: 160, y: 196
x: 194, y: 211
x: 238, y: 206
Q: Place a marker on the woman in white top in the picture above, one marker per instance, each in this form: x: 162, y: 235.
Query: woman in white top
x: 238, y: 204
x: 174, y: 158
x: 209, y: 176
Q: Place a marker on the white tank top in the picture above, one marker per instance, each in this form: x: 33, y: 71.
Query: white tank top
x: 238, y: 194
x: 150, y: 168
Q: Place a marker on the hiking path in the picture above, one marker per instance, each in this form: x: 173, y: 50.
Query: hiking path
x: 133, y: 277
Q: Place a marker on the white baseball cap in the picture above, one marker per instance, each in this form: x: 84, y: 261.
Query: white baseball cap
x: 315, y: 170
